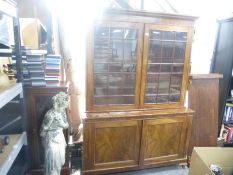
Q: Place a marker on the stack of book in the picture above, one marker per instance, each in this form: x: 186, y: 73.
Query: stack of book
x: 33, y: 67
x: 52, y: 70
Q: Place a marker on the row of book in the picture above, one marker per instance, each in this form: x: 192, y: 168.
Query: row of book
x: 228, y: 113
x: 39, y: 68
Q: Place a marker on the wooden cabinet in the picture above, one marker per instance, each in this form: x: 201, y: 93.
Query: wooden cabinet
x: 123, y: 141
x: 38, y: 103
x: 204, y: 98
x: 137, y: 74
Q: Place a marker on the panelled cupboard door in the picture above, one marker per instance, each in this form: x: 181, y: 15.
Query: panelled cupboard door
x: 114, y: 144
x: 165, y: 65
x: 114, y: 65
x: 164, y: 139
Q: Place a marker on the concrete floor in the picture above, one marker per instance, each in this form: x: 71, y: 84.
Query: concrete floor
x: 168, y: 170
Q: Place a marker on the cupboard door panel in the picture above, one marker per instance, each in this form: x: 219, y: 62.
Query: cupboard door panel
x: 116, y: 143
x: 164, y: 139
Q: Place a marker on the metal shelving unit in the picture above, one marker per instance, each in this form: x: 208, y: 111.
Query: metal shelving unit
x: 12, y: 112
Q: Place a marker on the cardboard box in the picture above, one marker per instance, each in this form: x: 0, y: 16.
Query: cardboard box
x: 203, y: 157
x: 33, y: 33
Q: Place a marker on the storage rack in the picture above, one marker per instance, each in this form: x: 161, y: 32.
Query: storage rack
x: 14, y: 158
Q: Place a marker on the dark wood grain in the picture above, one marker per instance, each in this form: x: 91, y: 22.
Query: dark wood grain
x: 121, y: 142
x: 170, y: 133
x: 203, y: 98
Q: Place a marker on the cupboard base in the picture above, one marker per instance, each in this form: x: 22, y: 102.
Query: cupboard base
x: 126, y: 141
x: 177, y: 162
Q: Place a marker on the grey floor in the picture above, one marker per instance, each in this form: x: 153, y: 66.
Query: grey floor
x: 169, y: 170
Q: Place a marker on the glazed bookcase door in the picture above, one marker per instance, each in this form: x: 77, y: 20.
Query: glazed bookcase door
x: 114, y: 66
x: 165, y: 65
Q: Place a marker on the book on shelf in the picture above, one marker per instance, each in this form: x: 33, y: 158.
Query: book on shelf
x: 228, y: 113
x: 229, y: 133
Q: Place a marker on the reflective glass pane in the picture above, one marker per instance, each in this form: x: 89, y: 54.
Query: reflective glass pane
x: 174, y: 98
x: 131, y: 34
x: 176, y: 82
x: 168, y: 35
x: 101, y: 32
x: 128, y: 67
x: 156, y: 34
x: 100, y: 101
x: 150, y: 99
x: 115, y: 67
x: 166, y: 68
x: 179, y: 52
x: 117, y: 33
x: 100, y: 67
x: 102, y: 51
x: 128, y: 91
x: 153, y: 68
x: 128, y: 100
x: 162, y: 98
x: 115, y: 80
x: 120, y: 91
x: 115, y: 100
x: 178, y: 68
x: 155, y: 52
x: 100, y: 91
x: 152, y: 84
x: 114, y: 90
x: 163, y: 87
x: 129, y: 80
x: 100, y: 80
x: 117, y: 50
x: 130, y: 50
x: 181, y: 36
x: 167, y: 52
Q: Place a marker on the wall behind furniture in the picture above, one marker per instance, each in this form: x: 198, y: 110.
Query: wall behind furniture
x: 205, y: 31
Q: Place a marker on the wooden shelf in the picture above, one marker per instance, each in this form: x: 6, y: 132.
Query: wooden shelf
x: 11, y: 151
x: 10, y: 92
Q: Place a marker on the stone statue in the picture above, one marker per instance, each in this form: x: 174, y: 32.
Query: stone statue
x: 55, y: 120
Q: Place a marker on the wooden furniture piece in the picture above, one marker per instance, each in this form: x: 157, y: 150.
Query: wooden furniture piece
x: 13, y: 159
x: 38, y: 103
x: 137, y: 72
x: 222, y: 62
x: 203, y: 98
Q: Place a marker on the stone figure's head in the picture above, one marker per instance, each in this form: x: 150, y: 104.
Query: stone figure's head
x: 60, y: 101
